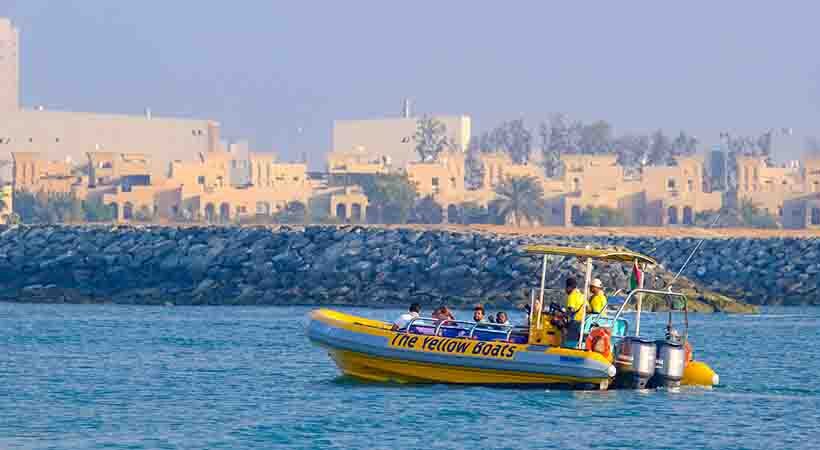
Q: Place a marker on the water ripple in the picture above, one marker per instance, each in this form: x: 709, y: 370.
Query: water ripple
x: 105, y: 376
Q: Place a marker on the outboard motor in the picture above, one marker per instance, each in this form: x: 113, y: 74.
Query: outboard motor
x: 635, y: 362
x: 670, y: 364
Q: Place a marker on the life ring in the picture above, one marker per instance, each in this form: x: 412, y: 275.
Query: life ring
x: 599, y: 340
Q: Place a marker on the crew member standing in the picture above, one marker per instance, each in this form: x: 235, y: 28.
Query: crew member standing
x: 575, y: 304
x: 597, y: 304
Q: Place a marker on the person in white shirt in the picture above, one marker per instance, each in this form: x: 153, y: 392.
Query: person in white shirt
x: 404, y: 319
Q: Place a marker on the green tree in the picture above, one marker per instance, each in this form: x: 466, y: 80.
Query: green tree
x: 3, y: 199
x: 519, y: 197
x: 602, y: 217
x: 96, y: 211
x: 295, y: 212
x: 660, y: 150
x: 512, y: 138
x: 144, y: 214
x: 684, y: 145
x: 25, y: 205
x: 473, y: 213
x: 431, y: 138
x: 428, y: 211
x: 754, y: 217
x: 474, y: 168
x: 393, y: 196
x: 596, y: 138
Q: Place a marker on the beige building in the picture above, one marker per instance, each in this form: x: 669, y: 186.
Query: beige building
x: 61, y: 135
x: 393, y: 138
x: 792, y: 194
x: 199, y: 190
x: 9, y: 66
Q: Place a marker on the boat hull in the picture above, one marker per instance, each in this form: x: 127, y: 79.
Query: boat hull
x: 370, y: 350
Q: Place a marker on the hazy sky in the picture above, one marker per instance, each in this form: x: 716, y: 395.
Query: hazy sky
x: 265, y: 69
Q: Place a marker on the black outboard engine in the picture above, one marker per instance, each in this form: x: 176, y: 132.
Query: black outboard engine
x: 635, y: 362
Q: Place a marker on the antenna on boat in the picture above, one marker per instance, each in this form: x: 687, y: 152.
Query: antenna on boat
x: 692, y: 254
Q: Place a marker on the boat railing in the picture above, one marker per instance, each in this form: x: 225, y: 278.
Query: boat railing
x: 666, y: 294
x: 467, y: 326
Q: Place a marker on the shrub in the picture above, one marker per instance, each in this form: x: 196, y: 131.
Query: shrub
x: 601, y: 216
x: 427, y: 211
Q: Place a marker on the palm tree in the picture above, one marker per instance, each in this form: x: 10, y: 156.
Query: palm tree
x: 521, y: 197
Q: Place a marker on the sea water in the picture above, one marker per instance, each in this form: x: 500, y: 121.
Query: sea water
x: 107, y: 376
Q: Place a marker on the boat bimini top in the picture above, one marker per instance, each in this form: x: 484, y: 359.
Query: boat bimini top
x: 589, y: 254
x: 623, y: 256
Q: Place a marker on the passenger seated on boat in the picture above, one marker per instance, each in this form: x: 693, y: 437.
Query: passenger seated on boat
x: 412, y: 313
x: 443, y: 313
x: 597, y: 304
x: 501, y: 318
x: 478, y: 315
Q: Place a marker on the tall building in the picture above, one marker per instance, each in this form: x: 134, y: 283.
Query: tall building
x: 69, y: 136
x: 9, y: 66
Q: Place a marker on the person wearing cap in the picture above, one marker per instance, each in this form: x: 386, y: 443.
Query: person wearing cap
x: 597, y: 303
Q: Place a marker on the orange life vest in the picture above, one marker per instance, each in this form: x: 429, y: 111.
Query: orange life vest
x: 599, y: 340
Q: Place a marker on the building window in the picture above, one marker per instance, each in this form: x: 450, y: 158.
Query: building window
x: 815, y: 216
x: 200, y: 179
x: 690, y: 185
x: 670, y: 184
x: 688, y: 216
x: 672, y: 214
x: 435, y: 181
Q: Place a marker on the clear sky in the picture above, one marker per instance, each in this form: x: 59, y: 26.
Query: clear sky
x: 266, y: 69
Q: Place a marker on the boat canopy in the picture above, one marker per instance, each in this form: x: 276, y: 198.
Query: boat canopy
x: 624, y: 256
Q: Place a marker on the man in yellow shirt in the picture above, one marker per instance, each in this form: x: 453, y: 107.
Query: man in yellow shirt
x: 598, y: 302
x: 575, y: 306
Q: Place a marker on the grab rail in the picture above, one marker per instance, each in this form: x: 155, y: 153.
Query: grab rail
x: 506, y: 330
x: 666, y: 294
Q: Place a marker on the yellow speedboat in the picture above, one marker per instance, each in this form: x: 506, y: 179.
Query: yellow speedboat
x: 431, y: 351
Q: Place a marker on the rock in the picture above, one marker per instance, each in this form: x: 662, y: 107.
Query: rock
x: 366, y: 266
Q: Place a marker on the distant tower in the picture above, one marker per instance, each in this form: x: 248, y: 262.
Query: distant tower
x: 406, y: 109
x: 9, y: 66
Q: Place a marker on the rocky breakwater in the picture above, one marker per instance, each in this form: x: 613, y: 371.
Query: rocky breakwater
x: 288, y: 266
x: 772, y: 271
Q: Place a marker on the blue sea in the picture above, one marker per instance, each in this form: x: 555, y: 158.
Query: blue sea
x: 122, y: 377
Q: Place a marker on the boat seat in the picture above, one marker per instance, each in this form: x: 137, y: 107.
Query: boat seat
x: 422, y: 329
x: 490, y: 335
x: 453, y: 332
